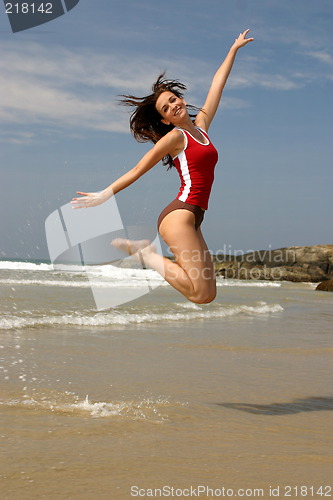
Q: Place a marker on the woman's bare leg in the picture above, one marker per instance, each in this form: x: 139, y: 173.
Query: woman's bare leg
x: 192, y: 273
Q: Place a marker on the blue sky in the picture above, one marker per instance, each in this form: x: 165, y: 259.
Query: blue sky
x: 62, y: 129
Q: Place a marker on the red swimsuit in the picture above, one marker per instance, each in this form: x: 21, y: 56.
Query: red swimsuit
x: 195, y: 166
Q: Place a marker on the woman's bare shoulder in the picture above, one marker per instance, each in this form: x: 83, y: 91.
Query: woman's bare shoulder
x: 172, y: 143
x: 176, y: 141
x: 175, y: 135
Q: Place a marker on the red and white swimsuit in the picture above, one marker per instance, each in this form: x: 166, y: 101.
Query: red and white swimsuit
x: 195, y: 166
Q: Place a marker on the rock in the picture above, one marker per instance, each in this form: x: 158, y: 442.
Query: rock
x: 325, y: 286
x: 311, y: 263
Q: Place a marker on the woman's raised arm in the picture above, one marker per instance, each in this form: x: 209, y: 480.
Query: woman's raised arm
x: 205, y: 117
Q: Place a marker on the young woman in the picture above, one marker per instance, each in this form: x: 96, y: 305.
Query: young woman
x: 162, y: 118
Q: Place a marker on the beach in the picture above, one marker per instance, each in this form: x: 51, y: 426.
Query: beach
x: 161, y: 397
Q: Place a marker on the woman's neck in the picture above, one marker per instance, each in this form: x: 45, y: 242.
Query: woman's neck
x: 188, y: 125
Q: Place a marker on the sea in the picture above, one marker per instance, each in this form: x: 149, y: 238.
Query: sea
x: 158, y: 397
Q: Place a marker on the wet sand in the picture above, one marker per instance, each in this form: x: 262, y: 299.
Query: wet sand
x: 89, y: 413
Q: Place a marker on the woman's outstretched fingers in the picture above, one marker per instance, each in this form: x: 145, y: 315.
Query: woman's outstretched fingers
x: 89, y: 199
x: 241, y: 40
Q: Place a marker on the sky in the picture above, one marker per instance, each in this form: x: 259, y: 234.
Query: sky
x: 62, y: 129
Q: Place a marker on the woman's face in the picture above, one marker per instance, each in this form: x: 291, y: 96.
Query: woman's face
x: 171, y: 108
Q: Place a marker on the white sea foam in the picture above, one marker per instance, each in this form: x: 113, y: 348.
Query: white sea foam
x: 188, y: 305
x: 250, y: 283
x: 123, y: 280
x: 25, y: 266
x: 68, y: 403
x: 86, y: 283
x: 147, y: 409
x: 120, y: 317
x: 102, y: 276
x: 106, y: 276
x: 41, y: 282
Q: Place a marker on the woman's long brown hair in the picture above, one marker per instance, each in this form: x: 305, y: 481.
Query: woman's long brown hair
x: 145, y: 120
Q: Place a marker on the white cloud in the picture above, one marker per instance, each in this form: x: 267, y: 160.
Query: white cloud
x: 321, y: 56
x: 297, y: 37
x: 260, y: 79
x: 37, y: 102
x: 16, y: 137
x: 76, y: 90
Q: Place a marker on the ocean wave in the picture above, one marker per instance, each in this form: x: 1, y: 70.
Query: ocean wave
x: 107, y: 275
x: 119, y: 317
x: 86, y: 283
x: 109, y: 270
x: 25, y: 266
x: 250, y: 283
x: 29, y: 282
x: 123, y: 280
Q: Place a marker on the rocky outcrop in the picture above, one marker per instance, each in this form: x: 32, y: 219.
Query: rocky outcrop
x: 311, y: 263
x: 325, y: 286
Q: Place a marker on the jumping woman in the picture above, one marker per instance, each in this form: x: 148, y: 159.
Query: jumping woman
x: 163, y: 119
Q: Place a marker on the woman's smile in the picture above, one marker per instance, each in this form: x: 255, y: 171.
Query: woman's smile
x: 169, y: 105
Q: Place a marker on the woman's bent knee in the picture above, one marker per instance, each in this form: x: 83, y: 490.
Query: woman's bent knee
x: 203, y: 297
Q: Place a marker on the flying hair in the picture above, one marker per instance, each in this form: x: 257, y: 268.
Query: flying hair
x: 145, y: 120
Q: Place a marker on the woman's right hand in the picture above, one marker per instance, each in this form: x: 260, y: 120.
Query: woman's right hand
x: 88, y: 200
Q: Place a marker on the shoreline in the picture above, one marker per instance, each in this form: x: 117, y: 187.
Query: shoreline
x: 312, y: 264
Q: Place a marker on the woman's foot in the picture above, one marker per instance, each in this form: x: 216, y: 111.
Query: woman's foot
x: 133, y: 247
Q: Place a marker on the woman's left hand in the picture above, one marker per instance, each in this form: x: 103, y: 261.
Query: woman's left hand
x: 242, y: 40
